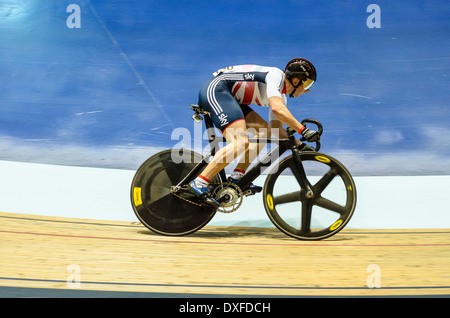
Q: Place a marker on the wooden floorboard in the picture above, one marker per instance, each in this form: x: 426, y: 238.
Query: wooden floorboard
x: 57, y: 253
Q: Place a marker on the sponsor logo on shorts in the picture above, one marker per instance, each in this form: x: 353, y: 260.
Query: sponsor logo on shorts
x: 223, y: 119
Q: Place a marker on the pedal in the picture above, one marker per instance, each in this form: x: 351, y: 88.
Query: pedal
x: 249, y: 192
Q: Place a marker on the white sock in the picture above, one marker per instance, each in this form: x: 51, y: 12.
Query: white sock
x: 201, y: 181
x: 237, y: 174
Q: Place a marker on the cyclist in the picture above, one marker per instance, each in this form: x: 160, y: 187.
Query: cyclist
x: 227, y: 96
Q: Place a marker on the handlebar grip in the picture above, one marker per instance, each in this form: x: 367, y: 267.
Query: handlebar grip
x: 315, y: 122
x: 291, y: 131
x: 319, y: 130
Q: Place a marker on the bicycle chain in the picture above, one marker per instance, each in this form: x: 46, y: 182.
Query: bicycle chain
x: 180, y: 197
x: 216, y: 186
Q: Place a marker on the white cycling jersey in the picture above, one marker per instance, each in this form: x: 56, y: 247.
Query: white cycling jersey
x: 254, y: 84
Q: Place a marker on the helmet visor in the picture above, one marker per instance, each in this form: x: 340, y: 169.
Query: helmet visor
x: 307, y: 83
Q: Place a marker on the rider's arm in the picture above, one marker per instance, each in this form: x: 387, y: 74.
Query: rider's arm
x: 283, y: 114
x: 277, y: 129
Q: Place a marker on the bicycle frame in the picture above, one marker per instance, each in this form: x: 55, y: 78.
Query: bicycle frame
x: 282, y: 146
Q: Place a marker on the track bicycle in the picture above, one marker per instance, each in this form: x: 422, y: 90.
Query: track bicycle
x: 307, y: 195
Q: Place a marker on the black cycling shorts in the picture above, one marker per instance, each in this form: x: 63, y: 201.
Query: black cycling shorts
x: 215, y: 97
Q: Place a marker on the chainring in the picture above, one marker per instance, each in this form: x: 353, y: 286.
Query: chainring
x: 229, y: 195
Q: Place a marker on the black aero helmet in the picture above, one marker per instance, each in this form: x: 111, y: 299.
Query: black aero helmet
x: 302, y: 69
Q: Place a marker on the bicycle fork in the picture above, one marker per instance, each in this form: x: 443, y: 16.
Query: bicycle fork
x: 300, y: 174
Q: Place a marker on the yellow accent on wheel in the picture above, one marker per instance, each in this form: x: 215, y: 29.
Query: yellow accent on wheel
x: 137, y: 196
x: 322, y: 159
x: 269, y: 201
x: 335, y: 225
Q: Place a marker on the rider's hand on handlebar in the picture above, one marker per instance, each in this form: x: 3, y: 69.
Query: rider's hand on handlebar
x: 310, y: 135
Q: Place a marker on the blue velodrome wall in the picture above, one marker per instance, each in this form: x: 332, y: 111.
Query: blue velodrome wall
x: 110, y: 92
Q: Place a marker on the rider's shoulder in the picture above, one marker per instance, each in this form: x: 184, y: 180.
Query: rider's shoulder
x: 269, y: 71
x: 275, y: 73
x: 275, y: 70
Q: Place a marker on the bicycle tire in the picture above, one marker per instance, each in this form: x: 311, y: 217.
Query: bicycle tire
x: 336, y: 176
x: 156, y: 206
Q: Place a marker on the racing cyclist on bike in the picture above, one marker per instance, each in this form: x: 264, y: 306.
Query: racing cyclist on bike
x: 227, y: 96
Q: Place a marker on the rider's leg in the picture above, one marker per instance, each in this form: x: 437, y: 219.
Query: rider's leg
x: 259, y: 128
x: 237, y: 142
x: 237, y: 139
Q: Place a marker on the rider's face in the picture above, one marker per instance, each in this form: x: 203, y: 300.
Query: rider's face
x: 299, y: 91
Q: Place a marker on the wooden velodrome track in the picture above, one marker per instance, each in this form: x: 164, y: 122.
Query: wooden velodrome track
x: 43, y: 252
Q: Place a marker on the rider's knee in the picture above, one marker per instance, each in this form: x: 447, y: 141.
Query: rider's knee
x: 263, y: 131
x: 241, y: 143
x: 236, y: 146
